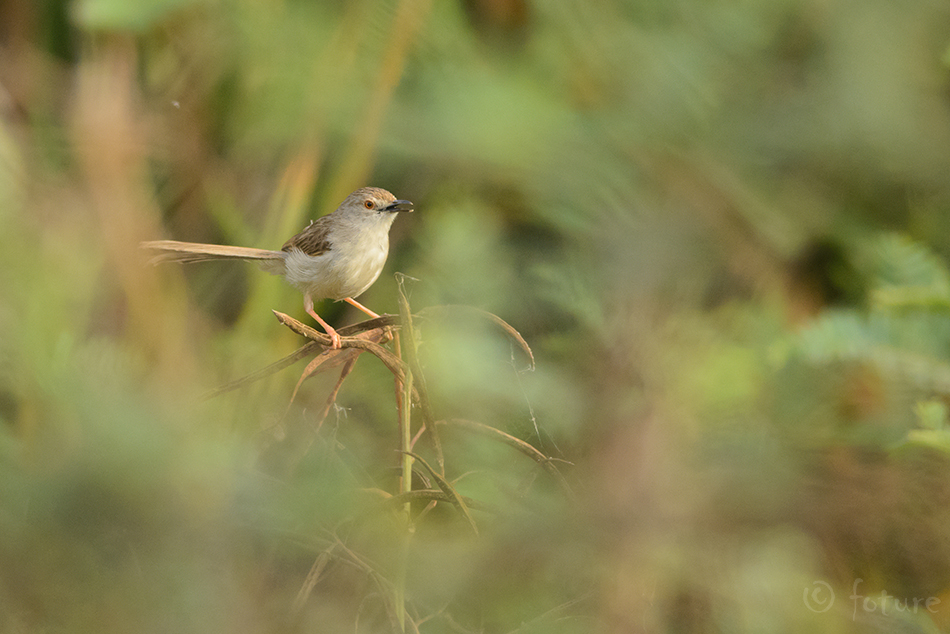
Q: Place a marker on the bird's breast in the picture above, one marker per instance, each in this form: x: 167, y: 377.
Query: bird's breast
x: 347, y: 269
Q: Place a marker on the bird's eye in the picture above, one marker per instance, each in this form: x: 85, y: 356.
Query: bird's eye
x: 369, y: 204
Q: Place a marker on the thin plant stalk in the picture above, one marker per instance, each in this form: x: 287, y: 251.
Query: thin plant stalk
x: 404, y: 397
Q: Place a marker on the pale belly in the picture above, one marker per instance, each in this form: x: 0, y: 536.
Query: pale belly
x: 336, y: 277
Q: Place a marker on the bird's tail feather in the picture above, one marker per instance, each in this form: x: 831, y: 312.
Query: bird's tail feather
x: 175, y: 251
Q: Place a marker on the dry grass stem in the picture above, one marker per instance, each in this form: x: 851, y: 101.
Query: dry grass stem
x: 546, y: 462
x: 493, y: 318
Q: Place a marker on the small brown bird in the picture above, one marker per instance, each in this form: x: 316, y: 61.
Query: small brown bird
x: 336, y: 257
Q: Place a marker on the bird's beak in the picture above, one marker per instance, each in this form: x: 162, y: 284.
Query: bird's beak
x: 399, y: 205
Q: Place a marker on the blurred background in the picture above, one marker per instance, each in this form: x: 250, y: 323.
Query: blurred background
x: 722, y: 226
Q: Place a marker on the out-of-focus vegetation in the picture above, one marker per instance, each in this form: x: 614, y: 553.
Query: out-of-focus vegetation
x: 722, y: 226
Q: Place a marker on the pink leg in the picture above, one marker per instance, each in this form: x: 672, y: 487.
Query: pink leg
x: 334, y: 337
x: 353, y: 302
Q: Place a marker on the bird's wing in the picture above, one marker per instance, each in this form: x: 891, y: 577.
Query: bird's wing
x: 314, y: 240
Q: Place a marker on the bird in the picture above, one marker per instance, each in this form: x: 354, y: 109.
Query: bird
x: 337, y: 256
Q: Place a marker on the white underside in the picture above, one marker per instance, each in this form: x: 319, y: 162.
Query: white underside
x: 335, y: 275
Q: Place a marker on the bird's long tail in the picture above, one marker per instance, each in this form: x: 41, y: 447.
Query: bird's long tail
x: 174, y: 251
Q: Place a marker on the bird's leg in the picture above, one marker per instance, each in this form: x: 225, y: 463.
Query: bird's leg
x: 353, y: 302
x: 334, y: 337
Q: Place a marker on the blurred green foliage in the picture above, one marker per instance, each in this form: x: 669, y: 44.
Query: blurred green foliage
x: 722, y: 226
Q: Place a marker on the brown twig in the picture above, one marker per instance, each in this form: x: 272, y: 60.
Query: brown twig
x: 303, y: 352
x: 300, y: 353
x: 391, y: 361
x: 436, y: 495
x: 449, y: 490
x: 546, y: 462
